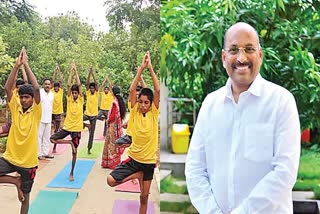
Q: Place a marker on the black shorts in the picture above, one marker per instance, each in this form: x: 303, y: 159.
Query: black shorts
x: 63, y: 133
x: 27, y: 174
x: 129, y: 167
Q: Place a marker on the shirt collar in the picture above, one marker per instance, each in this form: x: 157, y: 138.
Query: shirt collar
x: 26, y: 112
x: 255, y: 88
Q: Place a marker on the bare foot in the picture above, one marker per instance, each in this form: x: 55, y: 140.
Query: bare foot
x: 54, y: 151
x: 20, y: 193
x: 71, y: 177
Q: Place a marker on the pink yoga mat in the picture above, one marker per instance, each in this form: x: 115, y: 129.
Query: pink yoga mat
x: 129, y: 187
x: 130, y: 207
x: 60, y: 149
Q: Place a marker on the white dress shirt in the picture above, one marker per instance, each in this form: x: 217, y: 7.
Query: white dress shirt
x: 243, y: 157
x: 47, y: 102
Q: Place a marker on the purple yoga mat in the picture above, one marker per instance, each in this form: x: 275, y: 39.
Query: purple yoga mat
x: 130, y: 207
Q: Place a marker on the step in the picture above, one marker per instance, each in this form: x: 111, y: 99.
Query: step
x: 171, y: 197
x: 164, y: 173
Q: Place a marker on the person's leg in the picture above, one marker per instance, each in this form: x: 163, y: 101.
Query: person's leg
x: 27, y: 178
x: 105, y: 112
x: 15, y: 181
x: 85, y: 118
x: 93, y: 121
x: 144, y: 196
x: 6, y: 168
x: 56, y: 119
x: 46, y: 140
x: 75, y: 142
x: 40, y: 140
x: 25, y: 204
x: 57, y: 138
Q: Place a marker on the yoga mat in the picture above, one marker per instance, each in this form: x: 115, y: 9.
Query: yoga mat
x: 128, y: 187
x: 53, y: 202
x: 60, y: 149
x: 95, y: 151
x: 81, y: 171
x: 130, y: 206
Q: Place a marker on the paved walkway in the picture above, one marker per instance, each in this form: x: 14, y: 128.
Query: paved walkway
x: 95, y: 196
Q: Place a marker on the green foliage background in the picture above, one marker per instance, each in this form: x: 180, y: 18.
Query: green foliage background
x: 64, y: 38
x: 192, y: 39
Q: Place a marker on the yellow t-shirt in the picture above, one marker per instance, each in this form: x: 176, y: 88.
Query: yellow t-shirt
x: 128, y: 131
x: 74, y: 117
x: 106, y: 100
x: 15, y: 95
x: 22, y: 144
x: 57, y: 106
x: 92, y: 103
x: 144, y: 133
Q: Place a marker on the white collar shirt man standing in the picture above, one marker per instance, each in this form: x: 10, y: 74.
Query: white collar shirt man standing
x: 245, y: 149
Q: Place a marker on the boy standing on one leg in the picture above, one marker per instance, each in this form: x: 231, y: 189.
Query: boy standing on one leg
x: 142, y: 152
x: 73, y: 123
x: 21, y: 152
x: 57, y: 108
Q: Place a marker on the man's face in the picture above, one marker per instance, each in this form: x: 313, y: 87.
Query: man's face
x: 106, y: 90
x: 26, y: 101
x: 92, y: 89
x: 144, y: 104
x: 75, y: 94
x: 242, y: 66
x: 47, y: 85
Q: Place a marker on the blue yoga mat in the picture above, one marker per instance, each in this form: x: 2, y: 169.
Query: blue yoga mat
x: 81, y: 171
x: 53, y: 202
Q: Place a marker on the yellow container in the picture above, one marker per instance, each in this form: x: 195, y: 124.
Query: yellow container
x: 180, y: 136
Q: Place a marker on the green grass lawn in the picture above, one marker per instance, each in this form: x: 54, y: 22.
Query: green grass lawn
x: 309, y: 172
x: 168, y: 185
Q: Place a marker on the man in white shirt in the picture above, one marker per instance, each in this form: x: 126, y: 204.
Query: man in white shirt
x: 44, y: 131
x: 245, y: 149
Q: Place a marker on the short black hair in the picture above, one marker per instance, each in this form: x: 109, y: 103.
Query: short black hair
x: 45, y: 79
x: 92, y: 84
x: 56, y: 84
x: 19, y: 82
x: 26, y: 89
x: 75, y: 87
x: 146, y: 92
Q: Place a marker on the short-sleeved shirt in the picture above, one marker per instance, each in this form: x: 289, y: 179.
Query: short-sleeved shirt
x: 74, y: 117
x: 22, y: 144
x: 15, y: 95
x: 57, y: 101
x: 92, y: 103
x: 144, y: 133
x: 106, y: 100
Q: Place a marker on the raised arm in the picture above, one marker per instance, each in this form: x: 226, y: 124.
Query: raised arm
x: 103, y: 83
x: 134, y: 84
x: 78, y: 81
x: 94, y: 79
x: 60, y: 77
x: 143, y: 83
x: 24, y: 75
x: 10, y: 84
x: 69, y: 80
x: 54, y: 76
x: 88, y: 79
x: 156, y: 86
x: 33, y: 79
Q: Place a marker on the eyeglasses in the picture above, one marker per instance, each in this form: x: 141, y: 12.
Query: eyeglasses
x: 236, y: 50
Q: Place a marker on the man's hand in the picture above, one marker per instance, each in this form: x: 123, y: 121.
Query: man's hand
x: 149, y: 65
x: 144, y: 62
